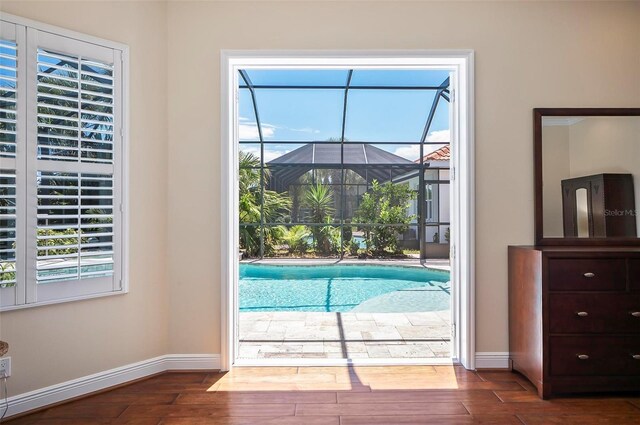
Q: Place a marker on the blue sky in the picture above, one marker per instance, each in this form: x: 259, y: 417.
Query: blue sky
x: 394, y: 117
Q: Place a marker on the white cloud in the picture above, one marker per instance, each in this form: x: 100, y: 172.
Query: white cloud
x: 249, y: 131
x: 268, y: 130
x: 439, y: 136
x: 271, y: 155
x: 302, y: 130
x: 410, y: 152
x: 268, y: 155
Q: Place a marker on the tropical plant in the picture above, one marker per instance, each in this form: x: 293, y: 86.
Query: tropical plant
x: 59, y: 82
x: 258, y: 204
x: 297, y: 239
x: 273, y: 236
x: 319, y: 202
x: 334, y: 235
x: 58, y: 242
x: 383, y: 215
x: 354, y: 247
x: 7, y: 274
x: 329, y: 239
x: 347, y: 231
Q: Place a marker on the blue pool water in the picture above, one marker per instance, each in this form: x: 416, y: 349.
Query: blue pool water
x: 342, y: 288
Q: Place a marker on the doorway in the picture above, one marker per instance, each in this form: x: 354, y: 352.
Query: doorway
x: 317, y: 182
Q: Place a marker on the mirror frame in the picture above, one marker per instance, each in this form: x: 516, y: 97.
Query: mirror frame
x: 538, y: 114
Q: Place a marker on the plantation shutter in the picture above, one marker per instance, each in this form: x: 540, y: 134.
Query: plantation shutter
x: 8, y: 94
x: 74, y: 155
x: 11, y: 142
x: 8, y: 237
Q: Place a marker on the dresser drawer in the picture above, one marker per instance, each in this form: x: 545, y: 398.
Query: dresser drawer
x: 593, y: 313
x: 634, y: 274
x: 568, y: 274
x: 605, y: 355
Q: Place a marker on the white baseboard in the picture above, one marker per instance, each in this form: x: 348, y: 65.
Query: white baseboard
x: 492, y: 360
x: 192, y: 361
x: 99, y: 381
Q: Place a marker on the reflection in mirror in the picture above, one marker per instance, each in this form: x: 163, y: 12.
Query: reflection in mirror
x: 582, y: 213
x: 589, y: 167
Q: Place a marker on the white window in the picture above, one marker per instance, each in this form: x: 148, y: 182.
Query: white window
x: 62, y: 171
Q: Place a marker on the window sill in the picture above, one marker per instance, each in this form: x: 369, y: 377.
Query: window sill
x: 62, y: 301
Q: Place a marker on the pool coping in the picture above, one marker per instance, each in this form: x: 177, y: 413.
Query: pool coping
x: 432, y: 265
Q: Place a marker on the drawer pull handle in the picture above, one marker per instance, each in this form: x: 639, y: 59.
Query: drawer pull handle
x: 582, y: 313
x: 635, y: 313
x: 589, y: 275
x: 583, y: 357
x: 636, y: 356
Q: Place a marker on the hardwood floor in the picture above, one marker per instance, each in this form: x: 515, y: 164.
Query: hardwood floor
x: 337, y: 396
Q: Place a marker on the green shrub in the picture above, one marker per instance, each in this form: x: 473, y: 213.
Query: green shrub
x: 354, y: 247
x: 332, y: 238
x: 296, y: 238
x: 64, y: 237
x: 384, y: 205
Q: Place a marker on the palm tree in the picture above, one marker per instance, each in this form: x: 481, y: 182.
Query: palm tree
x: 319, y: 200
x: 255, y: 203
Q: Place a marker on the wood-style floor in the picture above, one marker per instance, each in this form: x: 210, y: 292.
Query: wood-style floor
x: 337, y: 396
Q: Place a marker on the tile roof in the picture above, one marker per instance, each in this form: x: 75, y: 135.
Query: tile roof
x: 442, y: 154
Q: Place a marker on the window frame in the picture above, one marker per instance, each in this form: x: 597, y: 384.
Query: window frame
x: 24, y: 293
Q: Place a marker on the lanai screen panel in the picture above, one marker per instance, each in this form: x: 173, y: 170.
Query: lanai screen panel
x: 343, y: 129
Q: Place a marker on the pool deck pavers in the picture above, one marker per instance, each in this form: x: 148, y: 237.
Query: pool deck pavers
x: 348, y: 335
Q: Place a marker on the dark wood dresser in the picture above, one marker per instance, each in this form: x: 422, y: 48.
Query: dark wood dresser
x: 574, y: 318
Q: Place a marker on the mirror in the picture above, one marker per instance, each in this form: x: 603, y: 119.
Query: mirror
x: 587, y: 165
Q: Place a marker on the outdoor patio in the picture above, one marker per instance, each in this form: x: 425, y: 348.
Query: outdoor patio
x: 265, y: 335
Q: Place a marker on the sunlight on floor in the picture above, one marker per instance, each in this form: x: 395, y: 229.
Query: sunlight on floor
x: 340, y: 378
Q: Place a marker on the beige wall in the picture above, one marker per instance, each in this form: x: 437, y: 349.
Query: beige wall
x: 53, y: 344
x: 527, y: 55
x: 555, y: 168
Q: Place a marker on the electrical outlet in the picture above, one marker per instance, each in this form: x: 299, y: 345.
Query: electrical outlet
x: 5, y: 367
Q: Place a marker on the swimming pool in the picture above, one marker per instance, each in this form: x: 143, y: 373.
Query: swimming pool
x: 342, y: 288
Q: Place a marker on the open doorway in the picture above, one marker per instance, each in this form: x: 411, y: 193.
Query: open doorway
x: 345, y: 213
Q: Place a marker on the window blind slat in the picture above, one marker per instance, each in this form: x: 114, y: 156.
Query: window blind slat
x: 75, y: 104
x: 8, y: 212
x: 8, y: 75
x: 69, y: 243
